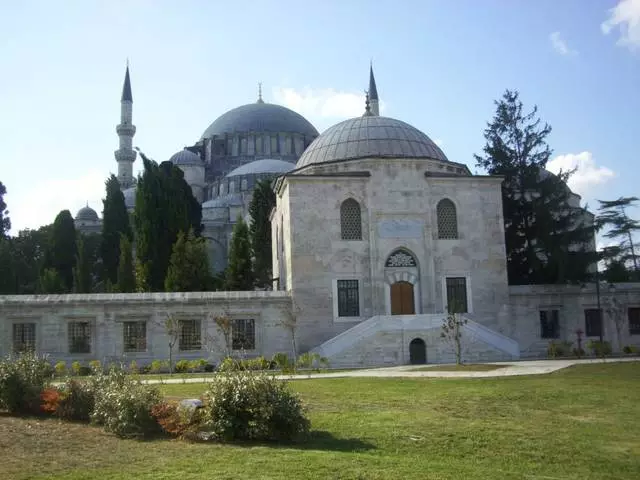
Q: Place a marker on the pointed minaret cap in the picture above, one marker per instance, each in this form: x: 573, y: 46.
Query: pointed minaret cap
x: 373, y: 91
x: 126, y: 87
x: 260, y: 93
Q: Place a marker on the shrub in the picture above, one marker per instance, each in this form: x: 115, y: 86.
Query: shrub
x: 95, y: 366
x: 258, y: 363
x: 156, y: 366
x: 182, y: 366
x: 76, y: 367
x: 209, y: 367
x: 282, y: 362
x: 133, y: 367
x: 176, y: 421
x: 76, y: 401
x: 22, y: 380
x: 630, y: 349
x: 253, y: 406
x: 558, y: 349
x: 199, y: 364
x: 144, y: 369
x: 599, y: 349
x: 230, y: 365
x: 578, y: 352
x: 49, y: 400
x: 123, y: 405
x: 60, y: 369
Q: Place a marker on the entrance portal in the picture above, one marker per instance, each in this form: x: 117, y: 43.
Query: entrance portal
x: 417, y: 352
x: 402, y: 299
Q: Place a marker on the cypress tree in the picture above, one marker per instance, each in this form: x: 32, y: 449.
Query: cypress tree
x: 82, y: 270
x: 613, y: 216
x: 189, y: 266
x: 126, y: 276
x: 115, y: 223
x: 263, y: 201
x: 62, y: 252
x: 239, y: 274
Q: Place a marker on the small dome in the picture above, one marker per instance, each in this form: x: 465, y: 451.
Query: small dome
x: 130, y: 197
x: 266, y: 165
x: 260, y: 117
x: 370, y: 136
x: 233, y: 200
x: 87, y: 214
x: 185, y: 157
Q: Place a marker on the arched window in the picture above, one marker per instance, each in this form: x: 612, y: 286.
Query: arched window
x: 447, y: 220
x: 243, y: 184
x: 350, y: 220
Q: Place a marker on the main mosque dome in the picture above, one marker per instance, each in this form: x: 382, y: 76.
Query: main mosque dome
x: 370, y: 136
x: 260, y: 117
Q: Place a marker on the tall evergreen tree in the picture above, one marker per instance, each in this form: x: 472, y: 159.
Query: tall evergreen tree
x: 51, y: 282
x: 164, y: 206
x: 8, y: 273
x: 239, y: 274
x: 62, y: 252
x: 5, y: 222
x: 126, y: 276
x: 189, y: 266
x: 620, y: 227
x: 263, y: 201
x: 82, y: 281
x: 115, y: 223
x: 547, y: 241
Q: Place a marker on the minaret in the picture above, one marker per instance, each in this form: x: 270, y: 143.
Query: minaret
x: 125, y: 155
x: 373, y: 92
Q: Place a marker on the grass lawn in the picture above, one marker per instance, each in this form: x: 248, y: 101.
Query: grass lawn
x: 578, y: 423
x: 467, y: 367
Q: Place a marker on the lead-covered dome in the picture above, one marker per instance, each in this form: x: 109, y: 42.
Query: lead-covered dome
x: 260, y: 117
x: 370, y: 136
x: 265, y: 165
x: 87, y: 214
x: 185, y: 157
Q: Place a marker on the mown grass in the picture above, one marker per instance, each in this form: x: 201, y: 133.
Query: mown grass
x: 578, y: 423
x: 466, y: 367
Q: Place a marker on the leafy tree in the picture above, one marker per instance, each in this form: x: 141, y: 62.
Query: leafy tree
x: 62, y: 252
x: 115, y: 223
x: 263, y: 201
x: 82, y: 281
x: 452, y: 332
x: 8, y: 274
x: 547, y: 240
x: 189, y: 265
x: 164, y: 206
x: 613, y: 216
x: 239, y: 274
x: 25, y: 263
x: 5, y: 222
x: 52, y: 282
x: 126, y: 276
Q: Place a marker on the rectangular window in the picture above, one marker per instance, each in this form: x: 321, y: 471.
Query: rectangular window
x: 634, y: 320
x: 134, y: 336
x: 348, y: 298
x: 549, y: 324
x: 24, y: 337
x: 243, y: 334
x: 190, y: 335
x: 593, y: 322
x: 457, y: 295
x: 79, y: 337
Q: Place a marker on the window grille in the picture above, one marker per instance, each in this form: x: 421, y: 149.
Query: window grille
x: 350, y: 220
x: 549, y: 324
x: 243, y: 334
x: 190, y: 335
x: 348, y: 298
x: 447, y: 220
x: 634, y: 321
x: 400, y: 258
x: 79, y: 337
x: 135, y: 336
x: 457, y: 295
x: 24, y: 337
x: 593, y: 322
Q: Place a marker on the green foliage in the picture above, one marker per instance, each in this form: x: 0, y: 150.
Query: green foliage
x: 60, y: 368
x: 63, y: 248
x: 164, y: 206
x: 283, y: 362
x: 578, y: 352
x: 599, y: 349
x: 123, y: 405
x: 620, y: 227
x: 5, y: 222
x: 126, y: 275
x: 182, y: 366
x: 561, y: 349
x: 51, y: 282
x: 95, y: 366
x: 22, y: 379
x: 312, y: 360
x: 76, y: 368
x: 115, y: 225
x: 262, y: 202
x: 82, y: 270
x: 77, y: 400
x: 133, y: 367
x: 239, y: 274
x: 253, y: 406
x: 229, y: 364
x: 189, y: 265
x: 630, y: 350
x: 546, y: 240
x: 157, y: 366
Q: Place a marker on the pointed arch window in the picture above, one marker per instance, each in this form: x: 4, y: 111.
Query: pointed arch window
x: 447, y: 220
x: 350, y: 220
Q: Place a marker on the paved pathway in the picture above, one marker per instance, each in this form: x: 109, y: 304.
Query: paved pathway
x: 525, y: 367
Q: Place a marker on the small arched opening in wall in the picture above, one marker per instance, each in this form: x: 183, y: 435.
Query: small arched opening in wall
x: 402, y: 283
x: 417, y: 352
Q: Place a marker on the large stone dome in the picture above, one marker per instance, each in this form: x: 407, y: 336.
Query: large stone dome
x: 265, y: 165
x: 87, y: 214
x: 260, y: 117
x: 370, y: 136
x: 185, y: 157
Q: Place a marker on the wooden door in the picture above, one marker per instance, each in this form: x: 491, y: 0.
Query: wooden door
x: 402, y: 299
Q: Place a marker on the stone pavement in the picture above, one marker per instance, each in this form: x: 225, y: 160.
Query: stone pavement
x: 525, y: 367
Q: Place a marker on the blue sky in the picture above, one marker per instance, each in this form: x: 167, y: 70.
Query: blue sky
x: 439, y: 65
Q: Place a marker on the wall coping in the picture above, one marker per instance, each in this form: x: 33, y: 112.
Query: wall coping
x: 588, y: 289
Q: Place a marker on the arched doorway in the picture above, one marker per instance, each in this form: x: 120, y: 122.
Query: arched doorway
x: 417, y: 352
x: 402, y: 301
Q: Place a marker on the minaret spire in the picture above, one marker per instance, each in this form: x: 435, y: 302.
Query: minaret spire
x: 373, y: 92
x: 125, y: 155
x: 260, y: 93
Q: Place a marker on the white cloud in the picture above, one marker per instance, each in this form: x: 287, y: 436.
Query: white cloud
x: 560, y: 46
x: 587, y: 175
x: 39, y: 204
x: 626, y: 17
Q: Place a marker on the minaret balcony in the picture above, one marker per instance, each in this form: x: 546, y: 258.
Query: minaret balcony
x: 126, y: 129
x: 125, y: 155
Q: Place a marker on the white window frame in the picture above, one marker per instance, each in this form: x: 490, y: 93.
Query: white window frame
x: 445, y: 300
x: 334, y: 289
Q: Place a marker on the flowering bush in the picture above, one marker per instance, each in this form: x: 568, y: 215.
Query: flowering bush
x: 176, y: 421
x: 76, y: 401
x: 50, y: 400
x: 22, y: 380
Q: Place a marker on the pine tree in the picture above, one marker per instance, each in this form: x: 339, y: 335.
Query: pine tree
x: 547, y: 241
x: 189, y: 266
x: 263, y: 201
x: 239, y: 274
x: 613, y: 216
x: 62, y: 252
x: 126, y: 276
x: 115, y: 223
x: 5, y: 222
x: 82, y: 270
